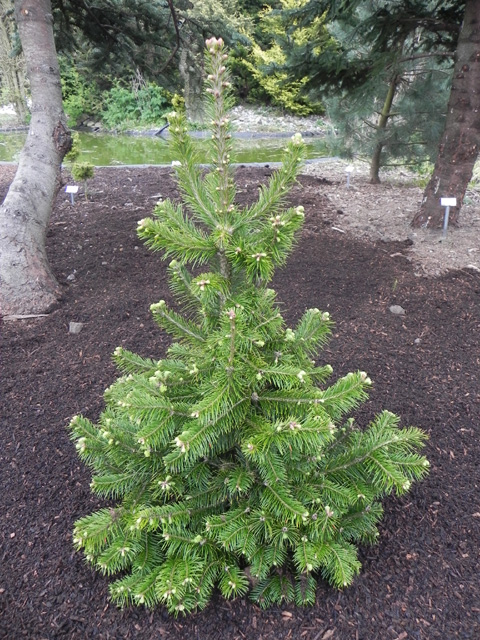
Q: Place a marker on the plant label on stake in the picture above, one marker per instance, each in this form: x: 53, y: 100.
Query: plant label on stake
x: 71, y: 189
x: 447, y: 203
x: 348, y: 171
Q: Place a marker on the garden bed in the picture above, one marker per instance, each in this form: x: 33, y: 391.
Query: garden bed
x: 419, y: 582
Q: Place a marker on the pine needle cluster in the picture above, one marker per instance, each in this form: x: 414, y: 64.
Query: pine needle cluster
x: 233, y: 464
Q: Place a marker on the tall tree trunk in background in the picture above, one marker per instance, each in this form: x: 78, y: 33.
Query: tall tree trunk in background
x: 460, y: 143
x: 381, y: 128
x: 191, y: 71
x: 27, y: 284
x: 13, y: 67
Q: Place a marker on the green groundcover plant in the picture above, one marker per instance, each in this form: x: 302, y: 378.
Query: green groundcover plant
x: 231, y: 462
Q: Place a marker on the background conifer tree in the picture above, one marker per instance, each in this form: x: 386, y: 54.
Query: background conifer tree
x: 383, y: 74
x: 232, y: 462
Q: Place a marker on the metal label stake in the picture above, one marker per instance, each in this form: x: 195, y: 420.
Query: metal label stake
x: 348, y: 171
x: 447, y: 203
x: 71, y: 189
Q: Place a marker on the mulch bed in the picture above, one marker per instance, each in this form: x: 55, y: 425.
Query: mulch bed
x: 421, y: 581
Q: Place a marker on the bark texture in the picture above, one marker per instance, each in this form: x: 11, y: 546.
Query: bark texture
x: 27, y: 284
x: 13, y: 67
x: 191, y: 71
x: 460, y: 143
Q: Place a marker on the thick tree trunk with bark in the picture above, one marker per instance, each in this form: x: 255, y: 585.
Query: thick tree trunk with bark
x: 460, y: 143
x: 27, y: 284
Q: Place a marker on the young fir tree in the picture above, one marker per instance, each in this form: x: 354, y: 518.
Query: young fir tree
x: 232, y: 461
x: 82, y: 171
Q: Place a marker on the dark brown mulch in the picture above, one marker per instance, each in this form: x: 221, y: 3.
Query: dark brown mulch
x: 420, y: 582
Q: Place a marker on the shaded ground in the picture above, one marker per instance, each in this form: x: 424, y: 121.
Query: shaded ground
x: 420, y: 582
x: 385, y: 212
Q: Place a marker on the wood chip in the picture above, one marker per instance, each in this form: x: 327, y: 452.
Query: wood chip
x: 400, y: 255
x: 26, y: 317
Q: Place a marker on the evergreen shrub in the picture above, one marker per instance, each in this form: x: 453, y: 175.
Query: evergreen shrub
x: 72, y: 156
x: 80, y: 96
x: 124, y: 107
x: 82, y: 172
x: 232, y: 463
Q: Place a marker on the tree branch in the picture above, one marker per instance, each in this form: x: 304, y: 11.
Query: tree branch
x: 416, y: 56
x: 177, y: 36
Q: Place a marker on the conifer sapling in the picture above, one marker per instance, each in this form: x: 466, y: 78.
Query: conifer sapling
x: 82, y: 171
x: 232, y: 462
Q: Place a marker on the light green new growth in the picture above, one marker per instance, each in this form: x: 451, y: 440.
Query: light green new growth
x: 233, y: 453
x: 82, y: 171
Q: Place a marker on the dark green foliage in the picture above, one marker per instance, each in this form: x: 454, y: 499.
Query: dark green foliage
x: 126, y: 106
x: 232, y: 460
x: 405, y: 44
x: 115, y: 39
x: 74, y: 152
x: 121, y: 103
x: 115, y: 36
x: 415, y: 121
x: 80, y: 95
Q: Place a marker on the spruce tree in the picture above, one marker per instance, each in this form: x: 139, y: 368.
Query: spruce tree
x: 232, y: 462
x: 383, y: 74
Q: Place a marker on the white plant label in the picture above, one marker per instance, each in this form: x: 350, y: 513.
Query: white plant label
x: 71, y: 188
x: 448, y: 202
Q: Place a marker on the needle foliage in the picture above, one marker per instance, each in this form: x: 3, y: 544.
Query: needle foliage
x: 232, y: 462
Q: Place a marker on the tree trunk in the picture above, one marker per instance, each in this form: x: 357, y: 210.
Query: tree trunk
x: 12, y: 67
x: 27, y: 284
x: 381, y: 126
x: 19, y: 97
x: 191, y: 71
x: 460, y: 143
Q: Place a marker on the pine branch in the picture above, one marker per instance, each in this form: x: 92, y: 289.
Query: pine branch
x: 176, y: 235
x: 176, y: 324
